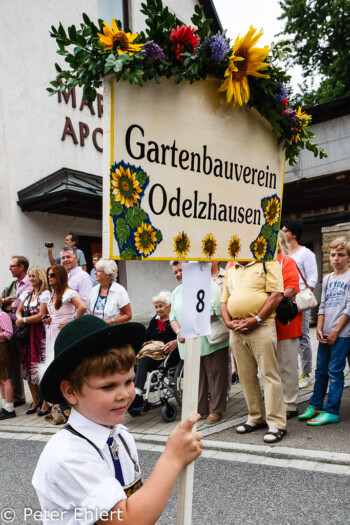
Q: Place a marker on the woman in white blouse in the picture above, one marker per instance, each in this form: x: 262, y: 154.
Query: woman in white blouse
x: 109, y: 300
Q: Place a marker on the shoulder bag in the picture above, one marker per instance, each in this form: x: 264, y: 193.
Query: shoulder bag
x: 306, y: 299
x: 21, y: 333
x: 287, y: 310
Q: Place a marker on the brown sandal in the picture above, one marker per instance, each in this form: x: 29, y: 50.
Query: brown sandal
x: 279, y: 435
x: 250, y: 428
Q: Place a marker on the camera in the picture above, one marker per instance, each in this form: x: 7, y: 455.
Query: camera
x: 49, y: 244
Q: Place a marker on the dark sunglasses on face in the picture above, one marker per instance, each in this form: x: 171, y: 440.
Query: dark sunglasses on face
x: 52, y: 275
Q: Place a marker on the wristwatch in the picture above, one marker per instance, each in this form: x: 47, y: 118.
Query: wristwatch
x: 258, y: 320
x: 24, y: 319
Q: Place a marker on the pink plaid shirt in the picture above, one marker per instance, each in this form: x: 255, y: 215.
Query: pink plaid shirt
x: 5, y: 327
x: 21, y: 287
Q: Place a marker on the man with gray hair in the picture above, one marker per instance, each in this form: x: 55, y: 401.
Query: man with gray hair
x: 78, y: 280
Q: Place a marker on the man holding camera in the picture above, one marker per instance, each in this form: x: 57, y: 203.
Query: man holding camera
x: 70, y: 240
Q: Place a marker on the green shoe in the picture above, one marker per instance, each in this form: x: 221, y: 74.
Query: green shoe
x: 309, y: 413
x: 323, y: 418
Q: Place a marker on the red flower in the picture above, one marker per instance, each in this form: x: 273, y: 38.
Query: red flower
x: 285, y: 102
x: 180, y: 39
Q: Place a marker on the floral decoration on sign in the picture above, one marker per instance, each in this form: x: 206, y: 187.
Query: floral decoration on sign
x: 136, y: 236
x: 209, y: 245
x: 264, y: 246
x: 249, y: 75
x: 119, y: 41
x: 245, y: 60
x: 234, y: 247
x: 259, y: 248
x: 272, y: 211
x: 145, y: 239
x: 181, y: 244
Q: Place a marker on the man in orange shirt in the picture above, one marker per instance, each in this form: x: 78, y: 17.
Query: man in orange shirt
x: 288, y: 336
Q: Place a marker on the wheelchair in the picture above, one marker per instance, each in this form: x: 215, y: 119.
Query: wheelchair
x: 162, y: 384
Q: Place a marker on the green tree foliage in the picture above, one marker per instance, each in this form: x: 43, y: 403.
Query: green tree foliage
x: 320, y: 32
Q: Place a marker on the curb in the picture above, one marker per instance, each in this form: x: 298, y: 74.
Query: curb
x: 276, y: 452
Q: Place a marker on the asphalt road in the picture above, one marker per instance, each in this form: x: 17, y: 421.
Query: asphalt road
x: 333, y: 438
x: 226, y: 493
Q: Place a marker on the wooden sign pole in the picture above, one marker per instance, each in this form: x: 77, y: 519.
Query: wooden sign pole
x: 189, y: 406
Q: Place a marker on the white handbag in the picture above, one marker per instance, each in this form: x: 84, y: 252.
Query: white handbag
x: 306, y: 299
x: 219, y: 332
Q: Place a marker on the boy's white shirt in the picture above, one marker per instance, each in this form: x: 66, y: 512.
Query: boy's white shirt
x: 72, y: 478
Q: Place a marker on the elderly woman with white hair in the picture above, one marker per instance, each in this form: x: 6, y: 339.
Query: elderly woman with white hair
x: 159, y: 329
x: 109, y: 300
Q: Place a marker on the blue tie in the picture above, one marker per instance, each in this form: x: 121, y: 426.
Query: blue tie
x: 113, y: 448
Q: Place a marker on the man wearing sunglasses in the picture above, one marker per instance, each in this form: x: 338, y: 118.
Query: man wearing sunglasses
x: 11, y: 299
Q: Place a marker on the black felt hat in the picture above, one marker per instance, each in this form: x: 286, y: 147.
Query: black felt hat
x: 81, y: 338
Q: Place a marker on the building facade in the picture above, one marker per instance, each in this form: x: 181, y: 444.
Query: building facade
x: 51, y: 147
x: 318, y: 191
x: 51, y: 150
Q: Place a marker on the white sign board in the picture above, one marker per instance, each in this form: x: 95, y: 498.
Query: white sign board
x: 196, y: 281
x: 188, y: 177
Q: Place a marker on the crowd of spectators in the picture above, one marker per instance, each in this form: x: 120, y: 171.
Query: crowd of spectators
x: 244, y: 295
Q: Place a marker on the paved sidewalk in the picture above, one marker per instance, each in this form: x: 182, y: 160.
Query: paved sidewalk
x: 151, y: 423
x: 152, y: 431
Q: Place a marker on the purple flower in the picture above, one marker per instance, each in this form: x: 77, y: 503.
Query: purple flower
x: 282, y: 93
x: 291, y: 114
x: 152, y: 50
x: 216, y: 47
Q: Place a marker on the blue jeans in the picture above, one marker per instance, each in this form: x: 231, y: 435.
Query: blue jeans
x: 330, y: 366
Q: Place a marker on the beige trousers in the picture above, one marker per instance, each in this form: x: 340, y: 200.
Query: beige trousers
x: 287, y: 359
x: 258, y: 350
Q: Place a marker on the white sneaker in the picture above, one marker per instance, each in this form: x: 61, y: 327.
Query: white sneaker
x: 305, y: 381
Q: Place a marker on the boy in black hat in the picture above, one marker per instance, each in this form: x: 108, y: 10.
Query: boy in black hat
x: 88, y: 472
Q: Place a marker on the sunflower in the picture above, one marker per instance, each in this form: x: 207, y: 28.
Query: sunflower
x: 125, y: 186
x: 234, y: 247
x: 181, y: 244
x: 180, y: 38
x: 259, y: 248
x: 272, y: 211
x: 209, y: 245
x: 302, y: 120
x: 245, y: 60
x: 145, y: 239
x: 117, y: 40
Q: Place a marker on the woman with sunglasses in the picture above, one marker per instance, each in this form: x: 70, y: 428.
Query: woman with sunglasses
x: 32, y: 307
x: 64, y: 306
